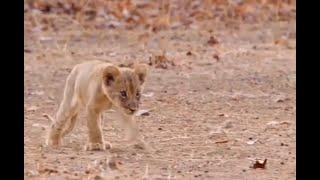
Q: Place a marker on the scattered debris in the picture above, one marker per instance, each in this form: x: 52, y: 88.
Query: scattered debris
x: 95, y: 177
x: 139, y: 146
x: 160, y: 61
x: 273, y: 124
x: 114, y: 164
x: 228, y: 125
x: 48, y: 171
x: 39, y: 125
x: 33, y: 108
x: 31, y: 173
x: 212, y: 41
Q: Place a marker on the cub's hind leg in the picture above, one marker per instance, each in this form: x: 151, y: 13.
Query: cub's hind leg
x: 70, y: 125
x: 67, y: 110
x: 66, y: 114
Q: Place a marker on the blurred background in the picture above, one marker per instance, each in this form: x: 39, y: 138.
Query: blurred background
x: 154, y: 14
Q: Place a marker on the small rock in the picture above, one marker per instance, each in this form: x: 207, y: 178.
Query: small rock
x: 189, y: 53
x: 143, y: 112
x: 251, y: 142
x: 215, y: 56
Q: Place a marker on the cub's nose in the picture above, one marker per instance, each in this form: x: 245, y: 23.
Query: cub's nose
x: 133, y: 107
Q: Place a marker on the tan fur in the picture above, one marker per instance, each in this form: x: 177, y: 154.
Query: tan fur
x: 97, y: 86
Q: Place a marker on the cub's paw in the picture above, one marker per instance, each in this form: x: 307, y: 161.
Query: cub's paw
x: 97, y: 146
x: 54, y: 142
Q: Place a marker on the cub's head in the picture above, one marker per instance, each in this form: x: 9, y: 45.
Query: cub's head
x: 123, y: 86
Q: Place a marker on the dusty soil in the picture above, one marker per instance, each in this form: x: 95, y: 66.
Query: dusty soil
x: 212, y: 112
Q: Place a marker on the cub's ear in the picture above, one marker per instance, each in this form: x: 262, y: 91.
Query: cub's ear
x: 110, y: 74
x: 141, y: 70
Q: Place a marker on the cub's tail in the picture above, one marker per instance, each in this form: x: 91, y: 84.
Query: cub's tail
x: 50, y: 118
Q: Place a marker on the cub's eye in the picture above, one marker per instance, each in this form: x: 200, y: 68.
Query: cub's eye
x: 138, y: 94
x: 123, y: 94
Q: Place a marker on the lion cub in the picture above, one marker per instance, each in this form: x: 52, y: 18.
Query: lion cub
x: 97, y: 86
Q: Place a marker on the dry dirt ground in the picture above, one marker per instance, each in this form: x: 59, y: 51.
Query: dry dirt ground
x: 212, y: 113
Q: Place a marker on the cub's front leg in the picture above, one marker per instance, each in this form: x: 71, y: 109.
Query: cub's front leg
x: 131, y: 128
x: 132, y: 133
x: 95, y: 132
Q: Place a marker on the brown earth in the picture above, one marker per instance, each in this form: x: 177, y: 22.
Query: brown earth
x: 214, y: 110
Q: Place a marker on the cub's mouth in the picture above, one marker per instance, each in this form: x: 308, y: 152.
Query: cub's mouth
x: 130, y: 111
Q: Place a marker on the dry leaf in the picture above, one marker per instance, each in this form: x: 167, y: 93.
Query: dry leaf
x: 39, y: 125
x: 215, y: 56
x: 223, y: 115
x: 221, y: 142
x: 282, y: 42
x: 150, y: 94
x: 259, y: 164
x: 282, y: 99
